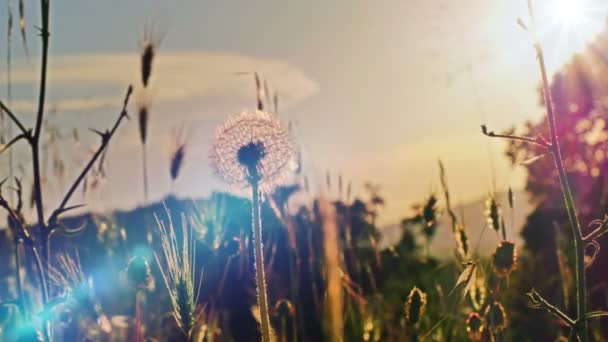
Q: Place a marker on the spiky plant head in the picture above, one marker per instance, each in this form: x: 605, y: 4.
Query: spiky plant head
x: 253, y: 145
x: 415, y: 306
x: 475, y: 325
x: 138, y: 272
x: 493, y: 213
x: 504, y: 259
x: 77, y: 291
x: 462, y: 241
x: 143, y: 117
x: 496, y: 317
x: 177, y: 267
x: 478, y: 292
x: 178, y: 153
x: 148, y: 47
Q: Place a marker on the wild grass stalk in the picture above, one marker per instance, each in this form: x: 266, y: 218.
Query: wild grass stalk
x: 334, y: 304
x: 578, y: 325
x: 178, y: 269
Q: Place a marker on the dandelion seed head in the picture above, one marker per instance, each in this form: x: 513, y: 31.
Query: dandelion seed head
x: 253, y: 144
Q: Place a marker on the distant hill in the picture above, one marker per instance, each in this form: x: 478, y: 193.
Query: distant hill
x: 474, y: 218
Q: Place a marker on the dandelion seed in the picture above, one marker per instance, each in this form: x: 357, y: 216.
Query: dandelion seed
x: 505, y: 258
x: 253, y: 144
x: 415, y: 306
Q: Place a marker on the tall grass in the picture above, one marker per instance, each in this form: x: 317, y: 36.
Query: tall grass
x: 178, y: 269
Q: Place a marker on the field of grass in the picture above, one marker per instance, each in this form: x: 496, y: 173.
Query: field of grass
x: 280, y: 262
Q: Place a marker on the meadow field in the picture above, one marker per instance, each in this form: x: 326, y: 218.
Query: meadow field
x: 138, y: 204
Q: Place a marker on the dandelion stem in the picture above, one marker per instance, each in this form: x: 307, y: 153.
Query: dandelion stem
x: 260, y: 277
x: 581, y: 293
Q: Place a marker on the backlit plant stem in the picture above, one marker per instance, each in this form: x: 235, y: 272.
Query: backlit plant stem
x: 260, y: 276
x: 580, y: 326
x: 35, y: 141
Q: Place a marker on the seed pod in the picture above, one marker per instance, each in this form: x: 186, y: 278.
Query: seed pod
x: 415, y: 306
x: 505, y: 258
x: 496, y: 317
x: 475, y: 326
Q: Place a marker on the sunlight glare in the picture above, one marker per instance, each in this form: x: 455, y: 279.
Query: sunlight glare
x: 569, y: 12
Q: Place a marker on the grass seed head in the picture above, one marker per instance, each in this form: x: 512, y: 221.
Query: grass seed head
x: 415, y: 306
x: 177, y: 266
x: 493, y: 213
x: 475, y: 325
x: 478, y: 292
x: 496, y: 317
x: 462, y: 241
x: 148, y: 46
x: 178, y: 154
x: 143, y: 119
x: 505, y: 258
x: 177, y: 159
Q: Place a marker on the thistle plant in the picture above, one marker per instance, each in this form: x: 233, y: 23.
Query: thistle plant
x: 178, y: 268
x: 254, y: 150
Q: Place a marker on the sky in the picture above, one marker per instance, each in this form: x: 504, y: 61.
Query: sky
x: 376, y: 90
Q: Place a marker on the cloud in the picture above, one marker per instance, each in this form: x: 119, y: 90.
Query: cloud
x: 177, y: 76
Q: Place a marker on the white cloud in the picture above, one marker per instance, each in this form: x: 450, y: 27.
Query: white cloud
x: 177, y: 76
